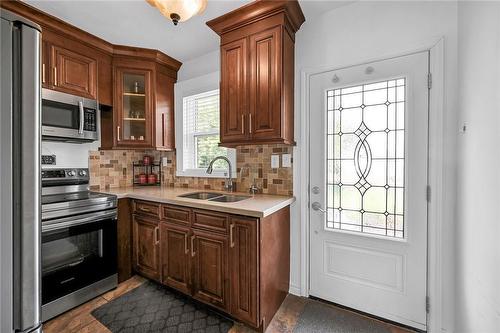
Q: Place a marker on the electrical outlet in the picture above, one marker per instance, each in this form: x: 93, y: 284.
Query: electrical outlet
x: 48, y: 159
x: 286, y: 160
x: 275, y: 161
x: 164, y: 161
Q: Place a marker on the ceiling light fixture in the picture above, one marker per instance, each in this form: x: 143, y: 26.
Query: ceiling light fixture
x: 179, y: 10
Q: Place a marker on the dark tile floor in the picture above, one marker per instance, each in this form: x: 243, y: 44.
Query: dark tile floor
x: 80, y: 319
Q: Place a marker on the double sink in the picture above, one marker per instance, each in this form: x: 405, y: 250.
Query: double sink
x: 213, y: 196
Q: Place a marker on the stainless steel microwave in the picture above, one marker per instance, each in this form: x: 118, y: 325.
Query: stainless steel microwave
x: 69, y: 118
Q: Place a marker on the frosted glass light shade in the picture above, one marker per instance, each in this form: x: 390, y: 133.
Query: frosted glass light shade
x: 179, y: 10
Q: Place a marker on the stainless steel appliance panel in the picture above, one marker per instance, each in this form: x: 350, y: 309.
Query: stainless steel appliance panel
x: 21, y: 98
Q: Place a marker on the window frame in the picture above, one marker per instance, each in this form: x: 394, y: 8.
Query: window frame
x: 183, y: 89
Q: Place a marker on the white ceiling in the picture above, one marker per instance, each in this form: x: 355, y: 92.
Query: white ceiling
x: 136, y: 23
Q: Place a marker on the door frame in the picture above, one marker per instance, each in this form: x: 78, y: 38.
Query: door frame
x: 435, y: 213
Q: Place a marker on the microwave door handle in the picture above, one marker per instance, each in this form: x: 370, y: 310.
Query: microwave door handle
x: 80, y: 107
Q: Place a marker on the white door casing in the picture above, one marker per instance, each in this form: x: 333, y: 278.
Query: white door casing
x: 378, y: 271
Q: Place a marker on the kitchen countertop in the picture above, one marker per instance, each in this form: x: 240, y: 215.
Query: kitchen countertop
x: 258, y: 205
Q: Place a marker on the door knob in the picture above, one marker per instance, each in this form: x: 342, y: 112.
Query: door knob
x: 317, y: 206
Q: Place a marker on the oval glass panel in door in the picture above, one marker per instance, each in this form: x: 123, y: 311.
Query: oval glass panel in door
x: 365, y: 155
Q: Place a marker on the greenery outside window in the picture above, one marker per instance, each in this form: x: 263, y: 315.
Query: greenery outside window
x: 201, y: 136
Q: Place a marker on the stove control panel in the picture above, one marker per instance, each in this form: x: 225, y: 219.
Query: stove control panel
x: 52, y: 177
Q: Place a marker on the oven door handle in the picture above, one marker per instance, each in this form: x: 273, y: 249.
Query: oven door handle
x: 72, y: 221
x: 80, y: 107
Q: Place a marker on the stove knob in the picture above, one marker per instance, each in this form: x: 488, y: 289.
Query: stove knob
x: 82, y: 173
x: 71, y: 173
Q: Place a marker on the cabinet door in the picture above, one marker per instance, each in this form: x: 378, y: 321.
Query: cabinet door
x: 146, y: 252
x: 73, y: 73
x: 46, y: 78
x: 210, y: 268
x: 233, y: 92
x: 164, y: 120
x: 133, y: 103
x: 243, y: 265
x: 175, y: 256
x: 265, y: 85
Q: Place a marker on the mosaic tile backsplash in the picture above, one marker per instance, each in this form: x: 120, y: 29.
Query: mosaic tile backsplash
x: 113, y: 168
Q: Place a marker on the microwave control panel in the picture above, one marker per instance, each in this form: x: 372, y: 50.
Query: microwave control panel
x: 90, y: 120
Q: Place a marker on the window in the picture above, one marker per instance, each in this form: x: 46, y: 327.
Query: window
x: 201, y: 136
x: 366, y: 162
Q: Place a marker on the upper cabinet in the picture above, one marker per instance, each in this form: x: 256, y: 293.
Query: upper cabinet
x: 257, y: 72
x: 143, y: 104
x: 68, y: 66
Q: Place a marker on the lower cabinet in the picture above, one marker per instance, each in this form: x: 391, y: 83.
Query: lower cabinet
x: 146, y: 250
x: 237, y: 264
x: 176, y: 255
x: 210, y: 268
x: 244, y: 267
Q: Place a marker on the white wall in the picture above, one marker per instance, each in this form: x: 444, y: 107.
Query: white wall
x: 478, y: 228
x: 69, y: 155
x: 205, y: 64
x: 365, y: 31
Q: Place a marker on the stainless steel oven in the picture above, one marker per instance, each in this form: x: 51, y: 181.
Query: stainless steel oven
x: 79, y: 241
x: 68, y: 117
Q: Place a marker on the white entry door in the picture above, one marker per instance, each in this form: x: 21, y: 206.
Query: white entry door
x: 368, y: 182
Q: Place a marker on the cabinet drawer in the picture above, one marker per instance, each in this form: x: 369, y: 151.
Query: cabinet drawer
x: 176, y: 214
x: 210, y: 221
x: 147, y: 208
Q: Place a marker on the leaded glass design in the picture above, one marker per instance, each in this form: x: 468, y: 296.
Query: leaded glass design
x: 365, y: 156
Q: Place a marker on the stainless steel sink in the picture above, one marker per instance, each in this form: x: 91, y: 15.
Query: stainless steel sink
x: 229, y: 198
x: 201, y: 195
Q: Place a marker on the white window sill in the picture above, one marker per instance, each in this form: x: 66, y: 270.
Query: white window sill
x: 201, y: 173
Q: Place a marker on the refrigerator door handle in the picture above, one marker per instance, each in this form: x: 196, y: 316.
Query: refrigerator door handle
x: 27, y: 292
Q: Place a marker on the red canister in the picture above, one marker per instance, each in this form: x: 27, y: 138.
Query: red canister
x: 152, y: 179
x: 143, y: 179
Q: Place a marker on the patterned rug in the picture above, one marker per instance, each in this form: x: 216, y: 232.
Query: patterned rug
x: 152, y: 307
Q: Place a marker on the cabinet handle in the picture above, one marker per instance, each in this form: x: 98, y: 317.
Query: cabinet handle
x: 192, y: 246
x: 142, y: 209
x: 163, y: 129
x: 43, y: 73
x: 186, y: 248
x: 157, y: 235
x: 118, y: 133
x: 231, y: 236
x: 242, y: 124
x: 250, y: 122
x: 55, y: 76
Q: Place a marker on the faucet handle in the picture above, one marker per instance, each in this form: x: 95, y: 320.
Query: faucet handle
x: 253, y: 189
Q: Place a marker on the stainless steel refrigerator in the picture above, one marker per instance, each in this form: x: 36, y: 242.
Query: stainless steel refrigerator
x: 20, y: 99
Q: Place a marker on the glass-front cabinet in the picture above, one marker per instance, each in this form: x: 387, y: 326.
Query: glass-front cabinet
x: 134, y: 107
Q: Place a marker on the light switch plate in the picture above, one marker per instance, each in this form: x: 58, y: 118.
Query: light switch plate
x: 286, y: 160
x: 164, y: 161
x: 275, y: 161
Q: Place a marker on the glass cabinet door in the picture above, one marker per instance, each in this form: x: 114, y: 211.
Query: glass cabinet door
x: 134, y: 101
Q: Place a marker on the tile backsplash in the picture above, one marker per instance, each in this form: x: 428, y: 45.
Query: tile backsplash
x: 113, y: 168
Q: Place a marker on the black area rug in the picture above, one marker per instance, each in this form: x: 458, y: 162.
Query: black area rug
x: 154, y: 308
x: 322, y: 318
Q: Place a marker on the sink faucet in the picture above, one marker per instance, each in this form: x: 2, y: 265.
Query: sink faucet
x: 229, y: 181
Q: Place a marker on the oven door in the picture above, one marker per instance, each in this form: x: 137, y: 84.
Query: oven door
x: 67, y: 117
x: 77, y: 255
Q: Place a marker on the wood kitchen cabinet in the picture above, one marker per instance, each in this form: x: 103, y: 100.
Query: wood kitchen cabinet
x: 146, y: 250
x: 143, y: 114
x: 243, y: 258
x: 238, y: 264
x: 176, y: 256
x: 233, y: 92
x: 210, y: 268
x: 73, y: 73
x: 257, y: 72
